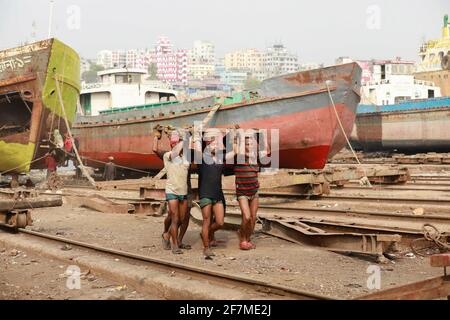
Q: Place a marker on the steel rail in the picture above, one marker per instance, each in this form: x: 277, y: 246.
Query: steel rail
x: 396, y: 188
x: 358, y: 213
x: 275, y: 289
x: 387, y: 199
x: 299, y: 196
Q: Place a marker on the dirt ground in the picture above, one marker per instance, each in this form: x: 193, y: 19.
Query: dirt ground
x: 302, y: 267
x: 28, y: 276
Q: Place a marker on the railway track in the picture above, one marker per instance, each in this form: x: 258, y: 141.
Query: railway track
x: 272, y: 290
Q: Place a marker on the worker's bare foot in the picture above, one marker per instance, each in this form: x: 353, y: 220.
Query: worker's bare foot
x: 177, y: 251
x: 165, y: 242
x: 244, y: 245
x: 208, y: 253
x: 214, y: 243
x: 185, y: 246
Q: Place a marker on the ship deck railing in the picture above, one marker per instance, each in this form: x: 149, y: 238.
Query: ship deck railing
x: 139, y: 107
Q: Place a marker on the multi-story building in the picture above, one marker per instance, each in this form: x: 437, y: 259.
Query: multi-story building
x: 246, y: 59
x: 366, y: 67
x: 104, y: 58
x: 343, y: 60
x: 200, y: 71
x: 434, y: 62
x: 203, y: 52
x: 134, y: 58
x: 234, y: 78
x: 171, y: 64
x: 310, y: 66
x: 85, y: 65
x: 278, y: 60
x: 182, y: 66
x: 392, y: 81
x: 138, y: 58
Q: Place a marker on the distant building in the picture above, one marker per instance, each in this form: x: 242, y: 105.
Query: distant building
x: 310, y: 66
x: 200, y: 71
x: 234, y: 78
x: 104, y: 59
x: 392, y: 81
x: 85, y: 65
x: 134, y: 58
x: 434, y: 62
x: 203, y: 52
x: 278, y: 60
x: 171, y: 64
x: 250, y: 60
x: 343, y: 60
x: 366, y: 67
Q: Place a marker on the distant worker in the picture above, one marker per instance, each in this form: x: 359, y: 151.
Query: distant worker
x: 51, y: 163
x: 58, y: 143
x: 247, y: 186
x: 212, y: 199
x: 58, y: 139
x: 68, y: 148
x: 110, y: 170
x: 177, y: 170
x: 184, y: 218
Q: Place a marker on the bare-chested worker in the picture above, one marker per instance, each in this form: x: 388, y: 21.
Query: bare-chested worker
x: 212, y: 200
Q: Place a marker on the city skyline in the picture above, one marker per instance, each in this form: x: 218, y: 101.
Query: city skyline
x: 317, y: 32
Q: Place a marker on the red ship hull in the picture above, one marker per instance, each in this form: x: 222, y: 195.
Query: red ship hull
x: 309, y: 132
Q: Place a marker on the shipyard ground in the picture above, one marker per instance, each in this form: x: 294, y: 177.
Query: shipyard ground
x: 35, y: 269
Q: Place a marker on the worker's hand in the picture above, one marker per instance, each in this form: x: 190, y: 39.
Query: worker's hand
x: 157, y: 132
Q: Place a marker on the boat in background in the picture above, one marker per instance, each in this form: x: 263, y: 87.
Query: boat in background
x: 122, y: 87
x: 408, y: 127
x: 298, y: 105
x: 29, y: 105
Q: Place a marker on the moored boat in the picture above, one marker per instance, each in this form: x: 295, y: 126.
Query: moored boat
x: 298, y: 105
x: 409, y: 127
x: 29, y: 105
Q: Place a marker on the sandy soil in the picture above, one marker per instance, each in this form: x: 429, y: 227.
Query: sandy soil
x: 303, y: 267
x: 28, y: 276
x: 276, y: 260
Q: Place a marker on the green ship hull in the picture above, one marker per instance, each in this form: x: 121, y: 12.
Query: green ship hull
x: 29, y: 105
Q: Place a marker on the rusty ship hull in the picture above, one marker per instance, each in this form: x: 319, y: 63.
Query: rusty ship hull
x: 417, y: 126
x: 298, y: 105
x: 29, y: 105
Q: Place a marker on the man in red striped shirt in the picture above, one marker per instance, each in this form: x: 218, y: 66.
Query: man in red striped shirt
x: 247, y: 185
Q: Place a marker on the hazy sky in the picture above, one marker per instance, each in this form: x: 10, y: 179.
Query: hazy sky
x: 317, y: 30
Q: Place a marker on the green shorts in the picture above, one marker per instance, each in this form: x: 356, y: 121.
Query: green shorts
x: 207, y: 201
x: 171, y: 196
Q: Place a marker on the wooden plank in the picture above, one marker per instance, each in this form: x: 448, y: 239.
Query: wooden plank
x: 30, y: 203
x: 102, y: 204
